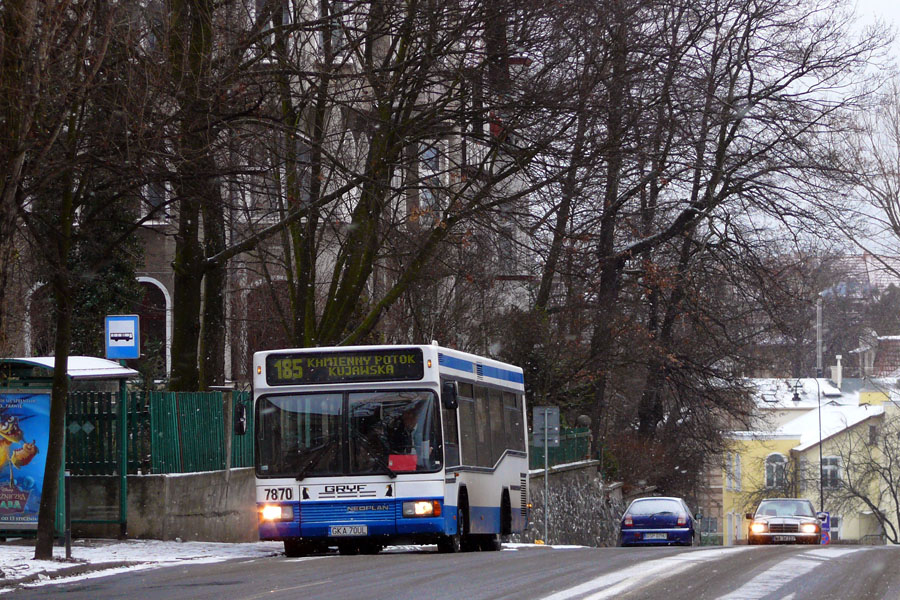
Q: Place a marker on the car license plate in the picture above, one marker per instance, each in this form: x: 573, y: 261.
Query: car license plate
x: 347, y: 530
x: 782, y: 538
x: 654, y: 536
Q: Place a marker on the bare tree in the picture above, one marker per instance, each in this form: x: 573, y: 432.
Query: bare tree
x: 869, y: 466
x: 53, y: 54
x: 389, y: 140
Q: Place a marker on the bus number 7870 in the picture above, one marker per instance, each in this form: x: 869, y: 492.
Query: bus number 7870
x: 279, y: 493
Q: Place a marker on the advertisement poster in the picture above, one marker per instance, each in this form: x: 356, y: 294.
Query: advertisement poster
x: 24, y: 432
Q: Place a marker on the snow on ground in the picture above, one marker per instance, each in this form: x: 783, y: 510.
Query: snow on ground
x: 97, y: 558
x: 106, y: 556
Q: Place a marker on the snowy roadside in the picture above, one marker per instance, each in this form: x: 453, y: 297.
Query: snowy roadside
x: 104, y: 557
x: 95, y: 558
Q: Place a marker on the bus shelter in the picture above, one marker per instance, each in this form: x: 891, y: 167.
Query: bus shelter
x: 25, y: 386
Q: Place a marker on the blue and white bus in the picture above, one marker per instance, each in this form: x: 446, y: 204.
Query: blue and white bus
x: 361, y: 447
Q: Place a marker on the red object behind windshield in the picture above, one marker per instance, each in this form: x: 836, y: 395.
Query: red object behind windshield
x: 402, y: 462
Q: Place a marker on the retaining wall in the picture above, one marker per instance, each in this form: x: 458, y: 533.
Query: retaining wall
x: 214, y: 506
x: 220, y: 506
x: 583, y: 510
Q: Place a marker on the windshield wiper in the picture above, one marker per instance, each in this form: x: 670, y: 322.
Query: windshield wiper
x: 317, y: 456
x: 367, y: 446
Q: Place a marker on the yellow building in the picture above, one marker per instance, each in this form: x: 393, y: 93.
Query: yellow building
x: 797, y: 422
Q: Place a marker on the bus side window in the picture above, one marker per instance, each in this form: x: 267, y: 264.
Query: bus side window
x: 483, y: 428
x: 467, y: 424
x: 498, y: 438
x: 510, y: 420
x: 518, y: 425
x: 451, y: 438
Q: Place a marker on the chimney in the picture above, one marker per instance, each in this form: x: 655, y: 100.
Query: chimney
x: 837, y: 372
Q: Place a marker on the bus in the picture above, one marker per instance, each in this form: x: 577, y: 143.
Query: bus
x: 361, y: 447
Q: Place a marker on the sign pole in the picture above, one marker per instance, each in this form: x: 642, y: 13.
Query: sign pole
x: 546, y: 477
x: 122, y: 425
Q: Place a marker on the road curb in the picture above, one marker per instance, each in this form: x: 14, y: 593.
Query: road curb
x: 74, y: 570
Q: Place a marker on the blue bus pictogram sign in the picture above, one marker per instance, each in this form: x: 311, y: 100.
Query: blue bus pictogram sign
x: 123, y: 337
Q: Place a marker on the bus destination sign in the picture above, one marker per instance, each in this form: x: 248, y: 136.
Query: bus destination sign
x: 393, y: 364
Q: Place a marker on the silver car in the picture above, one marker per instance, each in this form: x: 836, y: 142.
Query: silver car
x: 785, y: 521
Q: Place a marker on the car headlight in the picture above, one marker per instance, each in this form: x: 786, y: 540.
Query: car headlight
x: 758, y: 527
x: 809, y: 528
x: 276, y: 512
x: 422, y: 508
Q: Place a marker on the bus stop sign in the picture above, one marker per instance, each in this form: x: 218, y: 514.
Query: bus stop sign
x: 123, y: 337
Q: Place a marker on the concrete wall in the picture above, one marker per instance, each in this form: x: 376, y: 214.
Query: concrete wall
x: 216, y: 506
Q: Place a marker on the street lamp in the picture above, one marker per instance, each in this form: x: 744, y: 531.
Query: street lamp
x: 796, y: 399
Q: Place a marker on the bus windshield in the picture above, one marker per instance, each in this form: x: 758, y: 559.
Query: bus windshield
x: 350, y: 433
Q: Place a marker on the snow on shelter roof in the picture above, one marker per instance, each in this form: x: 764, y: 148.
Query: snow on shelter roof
x: 79, y: 367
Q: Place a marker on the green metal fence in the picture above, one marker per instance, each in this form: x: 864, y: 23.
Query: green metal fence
x: 91, y: 440
x: 574, y: 445
x: 167, y: 432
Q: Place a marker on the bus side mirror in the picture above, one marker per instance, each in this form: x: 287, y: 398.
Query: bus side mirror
x: 450, y: 395
x: 240, y: 419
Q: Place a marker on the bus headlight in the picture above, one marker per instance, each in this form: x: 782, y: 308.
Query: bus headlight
x: 422, y: 508
x: 757, y: 527
x: 276, y: 512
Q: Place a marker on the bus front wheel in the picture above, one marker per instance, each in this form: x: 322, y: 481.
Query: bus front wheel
x: 451, y: 544
x: 294, y: 548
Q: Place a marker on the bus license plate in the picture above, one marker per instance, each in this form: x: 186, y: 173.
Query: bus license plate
x: 655, y: 536
x: 347, y: 530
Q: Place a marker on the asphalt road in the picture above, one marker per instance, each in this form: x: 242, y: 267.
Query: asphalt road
x: 745, y: 573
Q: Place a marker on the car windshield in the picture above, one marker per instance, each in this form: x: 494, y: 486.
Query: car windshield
x: 653, y: 506
x: 785, y: 508
x: 351, y: 433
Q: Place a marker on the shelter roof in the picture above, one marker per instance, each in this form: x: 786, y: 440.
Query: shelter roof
x: 78, y: 367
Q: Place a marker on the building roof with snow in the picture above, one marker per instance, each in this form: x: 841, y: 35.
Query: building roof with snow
x: 789, y: 408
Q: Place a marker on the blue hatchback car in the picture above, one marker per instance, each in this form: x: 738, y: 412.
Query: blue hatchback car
x: 658, y: 521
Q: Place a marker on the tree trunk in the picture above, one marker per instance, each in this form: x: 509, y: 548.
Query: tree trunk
x: 43, y: 549
x: 190, y: 58
x: 62, y: 290
x: 188, y: 277
x: 213, y: 326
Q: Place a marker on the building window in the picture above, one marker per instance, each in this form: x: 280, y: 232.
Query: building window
x: 430, y: 158
x: 429, y: 195
x: 155, y: 199
x: 831, y: 472
x: 729, y: 473
x: 334, y: 12
x: 873, y: 435
x: 835, y: 528
x: 775, y: 464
